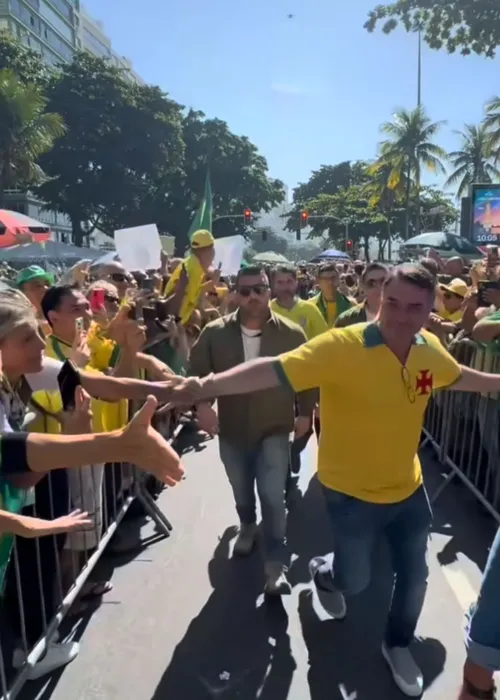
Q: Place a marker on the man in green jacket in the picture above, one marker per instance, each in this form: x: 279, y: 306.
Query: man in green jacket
x: 372, y: 281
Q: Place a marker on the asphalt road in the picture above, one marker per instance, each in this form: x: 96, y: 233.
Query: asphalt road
x: 187, y: 622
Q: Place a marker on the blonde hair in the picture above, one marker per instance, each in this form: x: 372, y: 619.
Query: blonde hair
x: 15, y: 310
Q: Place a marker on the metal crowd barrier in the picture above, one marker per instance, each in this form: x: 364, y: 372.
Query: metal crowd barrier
x: 35, y: 569
x: 464, y: 431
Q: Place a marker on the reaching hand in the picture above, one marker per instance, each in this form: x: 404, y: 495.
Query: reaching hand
x: 181, y: 392
x: 80, y: 351
x: 78, y: 421
x: 208, y: 420
x: 36, y: 527
x: 147, y: 449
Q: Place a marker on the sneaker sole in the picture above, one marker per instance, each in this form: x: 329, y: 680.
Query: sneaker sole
x: 403, y: 687
x: 325, y: 595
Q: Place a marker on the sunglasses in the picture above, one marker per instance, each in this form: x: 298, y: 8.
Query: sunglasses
x: 406, y: 379
x: 450, y: 295
x: 118, y: 277
x: 258, y: 289
x: 111, y: 299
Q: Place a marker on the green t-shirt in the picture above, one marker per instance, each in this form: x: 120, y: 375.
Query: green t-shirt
x: 12, y: 500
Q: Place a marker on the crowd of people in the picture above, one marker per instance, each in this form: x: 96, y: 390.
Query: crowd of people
x: 265, y: 360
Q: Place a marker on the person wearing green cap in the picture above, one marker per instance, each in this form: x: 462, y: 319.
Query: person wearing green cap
x: 33, y: 281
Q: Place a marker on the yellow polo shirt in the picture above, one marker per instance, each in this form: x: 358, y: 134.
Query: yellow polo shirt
x: 372, y: 408
x: 304, y: 314
x: 104, y: 414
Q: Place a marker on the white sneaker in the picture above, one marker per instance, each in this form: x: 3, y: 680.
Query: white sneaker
x: 276, y: 580
x: 331, y: 598
x: 245, y: 541
x: 57, y: 655
x: 407, y: 675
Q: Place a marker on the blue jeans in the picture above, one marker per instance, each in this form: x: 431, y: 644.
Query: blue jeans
x: 265, y: 465
x: 483, y: 634
x: 356, y: 525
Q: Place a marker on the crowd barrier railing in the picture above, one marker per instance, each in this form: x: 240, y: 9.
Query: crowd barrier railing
x: 464, y: 430
x: 46, y: 575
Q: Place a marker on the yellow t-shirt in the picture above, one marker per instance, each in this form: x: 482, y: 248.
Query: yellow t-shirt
x: 455, y: 317
x: 371, y: 409
x: 105, y: 415
x: 104, y: 356
x: 305, y: 315
x: 331, y: 312
x: 196, y: 276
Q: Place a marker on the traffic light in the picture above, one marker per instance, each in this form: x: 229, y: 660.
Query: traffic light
x: 348, y: 245
x: 304, y: 218
x: 248, y: 217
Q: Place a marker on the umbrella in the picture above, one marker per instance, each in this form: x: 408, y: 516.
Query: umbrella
x: 17, y: 228
x: 271, y: 258
x: 446, y: 244
x: 331, y: 254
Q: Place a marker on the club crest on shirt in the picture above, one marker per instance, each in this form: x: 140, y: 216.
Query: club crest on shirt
x: 303, y: 322
x: 424, y: 382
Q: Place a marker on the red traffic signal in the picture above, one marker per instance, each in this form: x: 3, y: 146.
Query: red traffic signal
x: 304, y: 218
x: 247, y: 215
x: 348, y: 244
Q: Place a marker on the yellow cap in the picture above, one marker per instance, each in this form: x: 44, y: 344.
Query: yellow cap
x: 202, y: 239
x: 456, y: 286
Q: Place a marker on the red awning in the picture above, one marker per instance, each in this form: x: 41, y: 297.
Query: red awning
x: 16, y: 228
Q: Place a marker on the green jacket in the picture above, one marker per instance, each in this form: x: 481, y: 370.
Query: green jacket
x: 343, y: 304
x: 247, y: 419
x: 356, y: 314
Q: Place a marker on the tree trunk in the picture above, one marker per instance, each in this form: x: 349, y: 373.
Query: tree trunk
x: 366, y: 246
x: 417, y: 220
x: 389, y: 241
x: 77, y: 231
x: 407, y: 202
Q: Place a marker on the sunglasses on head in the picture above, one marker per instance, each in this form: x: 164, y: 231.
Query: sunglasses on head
x: 255, y: 288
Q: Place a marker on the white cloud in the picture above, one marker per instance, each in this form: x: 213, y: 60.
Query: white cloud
x: 289, y: 88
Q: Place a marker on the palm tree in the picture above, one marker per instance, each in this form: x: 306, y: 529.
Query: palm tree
x: 382, y: 197
x: 27, y: 131
x: 408, y: 148
x: 474, y: 162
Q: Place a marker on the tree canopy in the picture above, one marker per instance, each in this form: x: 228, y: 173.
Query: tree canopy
x: 132, y: 155
x: 27, y: 131
x: 468, y: 26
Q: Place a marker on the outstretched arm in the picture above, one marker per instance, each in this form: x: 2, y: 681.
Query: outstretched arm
x: 256, y: 375
x: 474, y: 381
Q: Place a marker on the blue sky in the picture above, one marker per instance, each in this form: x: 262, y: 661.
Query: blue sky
x: 308, y: 91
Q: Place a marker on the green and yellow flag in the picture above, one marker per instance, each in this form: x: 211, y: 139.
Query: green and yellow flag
x: 203, y: 217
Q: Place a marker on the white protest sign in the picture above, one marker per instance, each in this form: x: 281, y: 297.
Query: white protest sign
x: 229, y: 254
x: 168, y: 244
x: 139, y: 247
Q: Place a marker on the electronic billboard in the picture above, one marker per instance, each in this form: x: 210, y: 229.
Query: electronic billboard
x: 485, y: 214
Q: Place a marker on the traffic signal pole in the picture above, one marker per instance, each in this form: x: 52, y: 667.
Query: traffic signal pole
x: 345, y: 222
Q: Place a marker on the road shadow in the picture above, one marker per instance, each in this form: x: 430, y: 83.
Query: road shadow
x: 456, y: 513
x: 345, y: 660
x: 237, y: 646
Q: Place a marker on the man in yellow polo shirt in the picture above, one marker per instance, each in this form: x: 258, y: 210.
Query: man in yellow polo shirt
x: 376, y: 378
x: 287, y: 304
